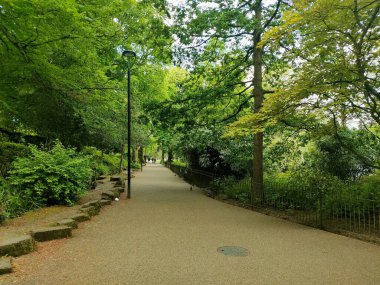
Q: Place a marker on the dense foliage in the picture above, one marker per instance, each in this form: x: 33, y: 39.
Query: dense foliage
x: 320, y: 79
x: 57, y: 176
x: 62, y: 77
x: 278, y: 92
x: 12, y: 202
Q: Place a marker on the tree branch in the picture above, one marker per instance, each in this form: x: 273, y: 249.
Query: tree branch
x: 273, y: 15
x: 361, y: 157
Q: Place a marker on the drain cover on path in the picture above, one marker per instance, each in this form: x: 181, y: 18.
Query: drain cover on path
x: 233, y: 251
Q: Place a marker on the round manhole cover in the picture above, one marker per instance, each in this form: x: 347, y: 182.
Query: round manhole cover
x: 233, y: 251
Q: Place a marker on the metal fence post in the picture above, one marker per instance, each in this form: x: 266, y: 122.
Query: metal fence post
x: 321, y: 216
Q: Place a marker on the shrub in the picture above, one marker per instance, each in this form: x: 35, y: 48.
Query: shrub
x: 232, y: 187
x: 369, y: 187
x: 12, y: 203
x: 302, y: 189
x: 220, y: 184
x: 56, y: 176
x: 103, y: 163
x: 8, y: 153
x: 136, y: 165
x: 306, y: 188
x: 102, y: 169
x: 113, y: 162
x: 179, y: 163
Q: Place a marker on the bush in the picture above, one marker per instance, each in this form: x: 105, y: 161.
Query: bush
x: 363, y: 192
x: 57, y: 176
x: 179, y: 163
x: 112, y: 161
x: 12, y: 203
x: 305, y: 189
x: 103, y: 163
x: 233, y: 188
x: 101, y: 169
x: 302, y: 189
x: 368, y: 187
x: 8, y: 153
x: 136, y: 165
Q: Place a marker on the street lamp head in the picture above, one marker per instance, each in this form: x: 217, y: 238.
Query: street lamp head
x: 130, y: 58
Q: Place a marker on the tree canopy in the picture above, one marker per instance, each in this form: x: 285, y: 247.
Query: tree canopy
x: 61, y: 70
x: 243, y: 87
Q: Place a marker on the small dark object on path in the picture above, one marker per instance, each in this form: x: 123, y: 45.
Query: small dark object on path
x: 233, y: 251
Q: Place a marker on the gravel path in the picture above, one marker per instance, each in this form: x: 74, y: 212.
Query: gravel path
x: 167, y: 234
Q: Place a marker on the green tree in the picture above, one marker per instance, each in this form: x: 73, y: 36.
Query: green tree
x: 61, y: 71
x: 332, y: 50
x: 222, y: 39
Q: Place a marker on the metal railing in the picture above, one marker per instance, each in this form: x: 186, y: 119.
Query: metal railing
x: 193, y: 176
x: 331, y: 211
x: 313, y: 207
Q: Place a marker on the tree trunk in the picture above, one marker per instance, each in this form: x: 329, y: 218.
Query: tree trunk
x: 170, y: 155
x: 257, y: 175
x: 141, y: 156
x: 134, y: 154
x: 121, y: 158
x: 162, y: 154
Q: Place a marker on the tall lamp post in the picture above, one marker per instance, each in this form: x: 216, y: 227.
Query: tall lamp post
x: 130, y: 58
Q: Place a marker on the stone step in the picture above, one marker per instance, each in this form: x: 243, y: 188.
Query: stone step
x: 94, y: 203
x: 116, y: 191
x: 119, y: 188
x: 17, y: 246
x: 5, y: 265
x: 115, y: 178
x: 101, y: 177
x: 110, y: 195
x: 68, y: 223
x: 91, y: 210
x: 80, y: 217
x: 105, y: 202
x: 50, y: 233
x: 120, y: 183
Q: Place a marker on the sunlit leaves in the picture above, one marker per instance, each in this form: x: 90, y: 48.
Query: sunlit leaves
x: 61, y: 71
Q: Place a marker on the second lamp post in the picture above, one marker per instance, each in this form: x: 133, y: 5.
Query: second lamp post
x: 130, y: 58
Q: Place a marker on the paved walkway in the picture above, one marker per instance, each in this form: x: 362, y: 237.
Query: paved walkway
x: 168, y: 234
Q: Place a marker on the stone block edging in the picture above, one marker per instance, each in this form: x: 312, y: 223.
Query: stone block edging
x: 50, y: 233
x: 24, y: 244
x: 17, y: 246
x: 5, y: 265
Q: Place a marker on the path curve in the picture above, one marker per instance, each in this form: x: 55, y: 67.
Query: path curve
x: 167, y: 234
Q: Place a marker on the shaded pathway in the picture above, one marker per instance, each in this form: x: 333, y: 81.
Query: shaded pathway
x: 168, y: 234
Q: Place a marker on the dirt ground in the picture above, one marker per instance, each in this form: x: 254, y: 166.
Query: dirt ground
x: 49, y: 215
